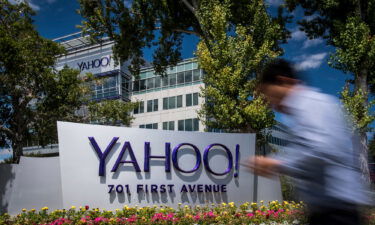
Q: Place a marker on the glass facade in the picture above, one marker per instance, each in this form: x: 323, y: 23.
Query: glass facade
x: 184, y: 74
x: 111, y: 85
x: 105, y: 88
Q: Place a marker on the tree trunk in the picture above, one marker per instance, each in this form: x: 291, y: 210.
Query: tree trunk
x: 17, y: 151
x: 363, y: 157
x: 361, y: 84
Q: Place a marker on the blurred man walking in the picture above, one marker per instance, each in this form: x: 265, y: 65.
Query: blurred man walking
x: 320, y: 155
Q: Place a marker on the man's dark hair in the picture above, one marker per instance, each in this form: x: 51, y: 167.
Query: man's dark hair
x: 277, y: 67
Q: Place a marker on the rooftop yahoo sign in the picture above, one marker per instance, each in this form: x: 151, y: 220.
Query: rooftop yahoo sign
x: 94, y: 63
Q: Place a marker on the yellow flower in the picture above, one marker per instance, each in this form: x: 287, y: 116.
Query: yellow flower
x: 117, y: 210
x: 224, y: 204
x: 96, y: 210
x: 24, y: 210
x: 231, y: 204
x: 45, y: 208
x: 73, y: 207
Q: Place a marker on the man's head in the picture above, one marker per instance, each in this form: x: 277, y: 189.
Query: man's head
x: 277, y: 81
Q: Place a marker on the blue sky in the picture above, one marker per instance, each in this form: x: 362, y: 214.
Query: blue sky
x: 56, y: 18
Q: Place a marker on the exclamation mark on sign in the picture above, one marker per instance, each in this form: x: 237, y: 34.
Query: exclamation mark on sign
x: 236, y: 165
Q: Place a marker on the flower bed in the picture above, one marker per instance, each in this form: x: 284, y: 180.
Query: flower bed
x: 248, y: 213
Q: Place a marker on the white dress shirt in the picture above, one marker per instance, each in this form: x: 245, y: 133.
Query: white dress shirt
x: 321, y: 154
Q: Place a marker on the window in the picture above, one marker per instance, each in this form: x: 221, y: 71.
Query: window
x: 188, y: 66
x: 164, y: 81
x: 149, y: 106
x: 195, y: 99
x: 196, y: 124
x: 136, y: 85
x: 171, y: 125
x: 168, y: 125
x: 157, y: 81
x: 196, y: 75
x: 156, y: 105
x: 165, y: 125
x: 136, y: 110
x: 172, y: 79
x: 189, y: 101
x: 152, y: 105
x: 172, y: 102
x: 188, y: 125
x: 142, y: 85
x: 140, y: 108
x: 179, y: 101
x: 180, y: 78
x: 107, y: 87
x: 165, y: 103
x: 181, y: 126
x: 188, y: 76
x: 180, y: 68
x: 149, y: 126
x: 150, y: 83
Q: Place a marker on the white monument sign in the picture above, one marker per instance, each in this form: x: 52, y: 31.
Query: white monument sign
x: 109, y: 167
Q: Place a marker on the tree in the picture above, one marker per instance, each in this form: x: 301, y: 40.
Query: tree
x: 232, y: 61
x: 349, y: 26
x: 234, y: 44
x: 132, y: 25
x: 111, y: 112
x: 32, y: 94
x: 371, y: 148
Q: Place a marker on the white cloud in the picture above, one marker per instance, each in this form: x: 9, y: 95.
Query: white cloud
x: 5, y: 154
x: 274, y: 2
x: 298, y: 35
x: 32, y: 5
x: 312, y: 42
x: 313, y: 61
x: 309, y: 18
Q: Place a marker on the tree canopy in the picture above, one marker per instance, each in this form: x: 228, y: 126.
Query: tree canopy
x: 232, y: 61
x: 32, y: 94
x: 236, y: 39
x: 132, y: 25
x: 349, y: 26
